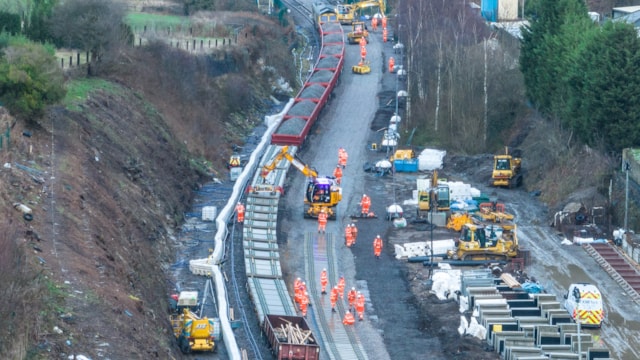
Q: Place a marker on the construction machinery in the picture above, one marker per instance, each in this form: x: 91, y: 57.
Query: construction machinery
x: 322, y: 192
x: 361, y: 68
x: 485, y: 242
x: 493, y: 212
x: 362, y: 10
x: 507, y: 170
x: 194, y: 333
x: 436, y: 192
x: 358, y: 31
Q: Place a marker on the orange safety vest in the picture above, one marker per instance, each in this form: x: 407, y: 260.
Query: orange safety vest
x: 337, y: 173
x: 377, y: 246
x: 334, y: 296
x: 351, y: 296
x: 322, y: 218
x: 354, y: 232
x: 324, y: 280
x: 384, y: 22
x: 341, y: 287
x: 366, y: 203
x: 240, y: 211
x: 348, y: 319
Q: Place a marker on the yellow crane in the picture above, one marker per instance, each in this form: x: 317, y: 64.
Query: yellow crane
x: 322, y: 192
x: 348, y: 13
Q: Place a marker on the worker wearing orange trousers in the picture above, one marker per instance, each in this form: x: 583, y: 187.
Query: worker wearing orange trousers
x: 322, y: 221
x: 384, y: 22
x: 334, y: 298
x: 354, y: 232
x: 348, y: 319
x: 377, y: 247
x: 365, y: 204
x: 304, y: 304
x: 341, y: 285
x: 374, y: 23
x: 360, y: 306
x: 351, y: 297
x: 299, y: 292
x: 343, y: 155
x: 392, y: 64
x: 296, y: 285
x: 324, y: 280
x: 240, y: 212
x: 348, y: 236
x: 337, y: 173
x: 384, y: 35
x: 363, y: 42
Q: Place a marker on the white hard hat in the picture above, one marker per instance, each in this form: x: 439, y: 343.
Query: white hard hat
x: 378, y: 236
x: 353, y: 224
x: 363, y: 195
x: 298, y: 279
x: 324, y: 269
x: 353, y: 288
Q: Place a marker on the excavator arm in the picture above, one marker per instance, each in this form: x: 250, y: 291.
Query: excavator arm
x: 297, y: 163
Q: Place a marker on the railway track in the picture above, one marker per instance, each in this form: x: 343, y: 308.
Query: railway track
x: 620, y: 270
x: 340, y: 342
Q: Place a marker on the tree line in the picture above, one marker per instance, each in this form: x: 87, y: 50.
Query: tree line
x: 582, y: 74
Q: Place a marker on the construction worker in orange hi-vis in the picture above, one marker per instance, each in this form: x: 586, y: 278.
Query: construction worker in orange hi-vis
x: 377, y: 247
x: 384, y: 35
x: 299, y: 291
x: 240, y: 212
x: 337, y: 173
x: 296, y: 285
x: 341, y: 285
x: 360, y: 306
x: 384, y: 22
x: 322, y: 221
x: 354, y: 232
x: 348, y: 236
x: 351, y: 297
x: 374, y: 23
x: 348, y: 319
x: 324, y: 280
x: 392, y: 64
x: 304, y: 303
x: 334, y: 298
x: 365, y: 203
x: 342, y: 154
x: 363, y: 42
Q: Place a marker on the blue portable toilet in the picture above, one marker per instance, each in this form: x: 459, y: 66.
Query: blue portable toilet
x: 489, y: 10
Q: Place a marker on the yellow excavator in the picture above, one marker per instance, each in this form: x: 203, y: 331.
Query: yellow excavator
x: 437, y: 193
x: 322, y: 192
x: 507, y: 169
x: 358, y: 31
x: 348, y: 13
x: 194, y: 333
x: 485, y: 242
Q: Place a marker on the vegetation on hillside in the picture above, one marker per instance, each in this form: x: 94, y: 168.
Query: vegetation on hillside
x: 583, y: 74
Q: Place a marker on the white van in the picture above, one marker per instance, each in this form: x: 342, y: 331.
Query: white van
x: 584, y: 303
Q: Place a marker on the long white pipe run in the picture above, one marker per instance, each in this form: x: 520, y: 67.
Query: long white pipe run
x: 224, y: 215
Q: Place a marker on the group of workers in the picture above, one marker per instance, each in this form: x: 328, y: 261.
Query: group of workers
x: 350, y: 235
x: 383, y: 23
x: 355, y: 299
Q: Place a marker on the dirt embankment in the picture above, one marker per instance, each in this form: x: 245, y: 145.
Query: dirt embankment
x: 106, y: 184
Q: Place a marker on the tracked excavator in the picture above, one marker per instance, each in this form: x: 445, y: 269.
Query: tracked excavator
x: 347, y: 13
x: 507, y: 169
x: 321, y: 193
x: 194, y: 333
x: 485, y: 242
x: 436, y: 194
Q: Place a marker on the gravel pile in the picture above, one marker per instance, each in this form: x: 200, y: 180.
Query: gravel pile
x: 329, y: 62
x: 313, y: 91
x: 332, y: 49
x: 292, y: 126
x: 321, y: 76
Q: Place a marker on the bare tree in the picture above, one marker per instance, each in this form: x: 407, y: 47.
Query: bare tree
x: 95, y: 26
